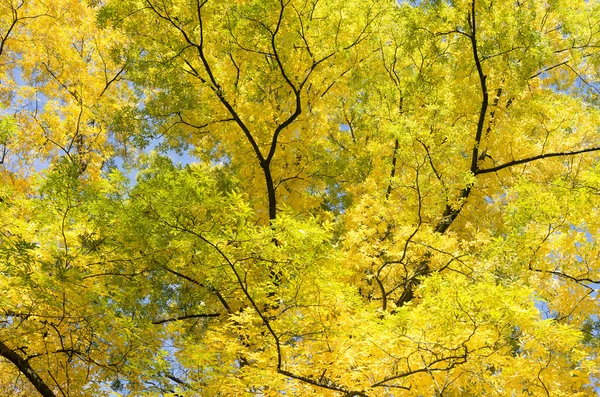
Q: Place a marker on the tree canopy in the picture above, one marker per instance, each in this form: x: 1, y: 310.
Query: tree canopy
x: 299, y: 197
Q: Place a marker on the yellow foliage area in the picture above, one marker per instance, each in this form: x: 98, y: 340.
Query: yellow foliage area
x: 299, y: 197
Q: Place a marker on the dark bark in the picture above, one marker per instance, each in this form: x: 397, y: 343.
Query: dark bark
x: 452, y: 211
x: 25, y: 369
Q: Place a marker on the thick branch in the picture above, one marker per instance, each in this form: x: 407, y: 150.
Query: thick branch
x: 9, y: 30
x: 393, y: 171
x: 214, y: 85
x: 548, y: 69
x: 15, y: 19
x: 217, y: 89
x: 451, y: 212
x: 534, y: 158
x: 295, y: 90
x: 484, y: 93
x: 320, y: 383
x: 579, y: 280
x: 26, y: 370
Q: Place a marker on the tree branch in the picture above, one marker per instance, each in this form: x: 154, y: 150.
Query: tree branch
x: 484, y: 93
x: 26, y: 370
x: 209, y: 287
x: 451, y: 212
x: 186, y: 317
x: 453, y: 361
x: 534, y: 158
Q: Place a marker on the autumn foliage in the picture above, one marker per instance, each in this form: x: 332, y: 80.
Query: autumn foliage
x: 299, y: 198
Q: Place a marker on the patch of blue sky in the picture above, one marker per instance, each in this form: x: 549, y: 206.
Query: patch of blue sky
x: 178, y: 157
x: 544, y: 309
x: 589, y: 237
x: 410, y: 2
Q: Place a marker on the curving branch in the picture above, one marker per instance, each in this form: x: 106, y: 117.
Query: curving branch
x: 452, y: 362
x: 484, y: 92
x: 24, y: 367
x: 534, y: 158
x: 267, y: 321
x: 16, y: 18
x: 209, y: 287
x: 451, y: 212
